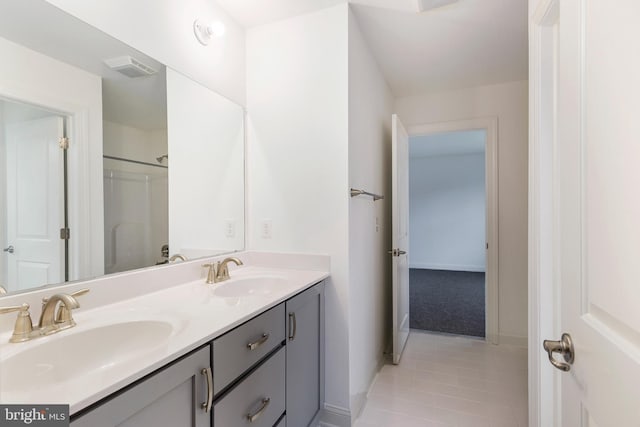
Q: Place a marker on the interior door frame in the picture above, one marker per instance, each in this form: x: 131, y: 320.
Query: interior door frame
x: 490, y: 126
x: 83, y: 250
x: 543, y: 295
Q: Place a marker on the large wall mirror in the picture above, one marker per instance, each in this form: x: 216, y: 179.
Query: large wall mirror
x: 109, y: 161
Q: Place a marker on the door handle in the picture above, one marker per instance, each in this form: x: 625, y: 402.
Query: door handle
x: 9, y: 249
x: 563, y: 347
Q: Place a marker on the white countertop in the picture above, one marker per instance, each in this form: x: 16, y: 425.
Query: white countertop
x: 194, y: 310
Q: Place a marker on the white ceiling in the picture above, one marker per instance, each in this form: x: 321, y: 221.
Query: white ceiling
x: 447, y: 144
x: 466, y: 44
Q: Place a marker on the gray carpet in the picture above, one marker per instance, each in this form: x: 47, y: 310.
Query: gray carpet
x: 447, y: 301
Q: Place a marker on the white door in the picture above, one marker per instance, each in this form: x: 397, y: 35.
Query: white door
x: 400, y: 236
x: 34, y: 203
x: 597, y: 210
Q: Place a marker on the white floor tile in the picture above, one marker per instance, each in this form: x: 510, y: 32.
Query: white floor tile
x: 449, y: 381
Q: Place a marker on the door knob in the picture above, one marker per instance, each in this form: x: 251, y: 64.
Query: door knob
x: 9, y: 249
x: 563, y: 347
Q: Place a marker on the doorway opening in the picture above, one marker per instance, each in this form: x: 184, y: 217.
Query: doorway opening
x: 447, y: 206
x: 453, y: 228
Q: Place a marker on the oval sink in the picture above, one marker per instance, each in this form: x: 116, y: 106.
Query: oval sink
x: 249, y: 286
x: 69, y: 354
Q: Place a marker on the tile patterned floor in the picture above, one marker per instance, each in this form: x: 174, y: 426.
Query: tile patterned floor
x: 449, y: 381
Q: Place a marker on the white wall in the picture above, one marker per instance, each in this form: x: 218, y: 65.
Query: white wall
x: 37, y: 79
x: 163, y: 29
x: 509, y: 102
x: 447, y: 212
x: 297, y: 99
x: 370, y: 109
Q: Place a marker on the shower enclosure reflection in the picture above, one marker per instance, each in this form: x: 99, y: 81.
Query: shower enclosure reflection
x: 135, y: 215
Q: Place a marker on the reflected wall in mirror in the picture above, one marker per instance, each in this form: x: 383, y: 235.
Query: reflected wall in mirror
x: 204, y: 182
x: 140, y: 180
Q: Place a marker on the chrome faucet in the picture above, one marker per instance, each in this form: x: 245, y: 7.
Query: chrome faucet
x: 51, y: 320
x: 219, y: 272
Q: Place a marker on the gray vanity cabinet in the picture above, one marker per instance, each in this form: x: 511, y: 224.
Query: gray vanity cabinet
x: 304, y: 367
x: 171, y: 397
x: 267, y: 372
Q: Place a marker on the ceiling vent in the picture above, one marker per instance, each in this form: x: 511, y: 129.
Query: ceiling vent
x: 129, y: 66
x: 424, y: 5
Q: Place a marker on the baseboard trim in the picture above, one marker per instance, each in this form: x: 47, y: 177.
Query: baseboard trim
x: 335, y: 416
x: 359, y: 401
x: 448, y: 267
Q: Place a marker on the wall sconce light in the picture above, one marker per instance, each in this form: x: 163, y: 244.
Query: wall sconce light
x: 206, y: 31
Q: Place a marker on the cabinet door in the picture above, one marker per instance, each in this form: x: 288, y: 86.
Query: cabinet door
x: 172, y: 397
x: 303, y: 356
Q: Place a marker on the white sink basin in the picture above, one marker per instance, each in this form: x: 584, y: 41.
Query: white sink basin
x: 69, y: 354
x: 249, y: 286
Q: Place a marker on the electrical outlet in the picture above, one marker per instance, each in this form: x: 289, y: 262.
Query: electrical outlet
x: 230, y: 228
x: 266, y: 228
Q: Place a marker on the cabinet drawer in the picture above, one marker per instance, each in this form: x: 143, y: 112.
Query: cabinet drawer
x: 250, y: 397
x: 238, y: 350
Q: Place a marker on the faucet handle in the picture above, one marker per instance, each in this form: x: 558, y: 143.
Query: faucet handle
x: 211, y: 274
x: 24, y: 326
x: 64, y: 314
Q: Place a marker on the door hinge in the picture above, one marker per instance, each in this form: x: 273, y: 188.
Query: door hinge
x: 65, y: 234
x: 487, y: 245
x: 63, y: 142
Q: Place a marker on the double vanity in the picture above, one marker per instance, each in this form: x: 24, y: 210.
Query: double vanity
x: 245, y: 351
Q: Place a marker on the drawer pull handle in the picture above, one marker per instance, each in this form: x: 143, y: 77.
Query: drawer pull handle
x: 254, y: 417
x: 209, y: 376
x: 293, y: 326
x: 254, y: 345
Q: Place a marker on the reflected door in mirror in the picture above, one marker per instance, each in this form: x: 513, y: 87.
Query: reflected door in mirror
x: 34, y: 203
